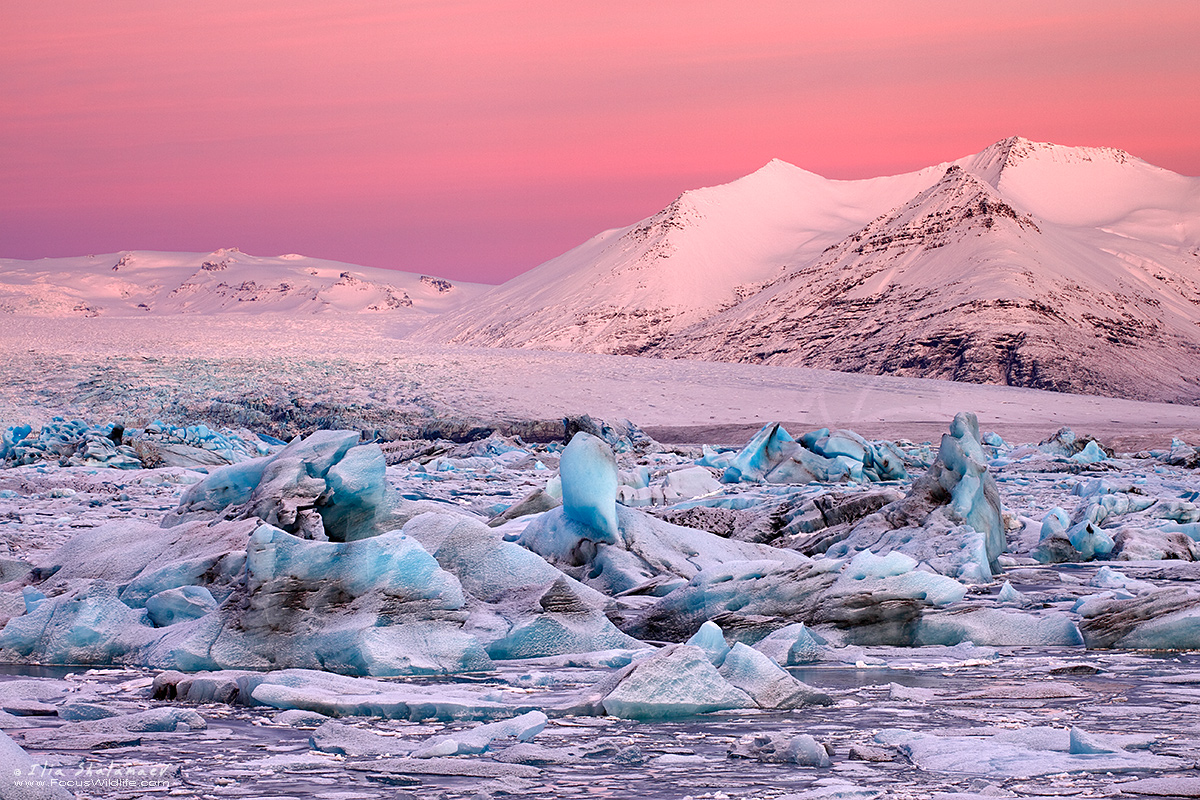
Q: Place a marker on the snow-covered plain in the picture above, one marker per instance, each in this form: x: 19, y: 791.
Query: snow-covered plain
x: 366, y: 373
x: 545, y: 625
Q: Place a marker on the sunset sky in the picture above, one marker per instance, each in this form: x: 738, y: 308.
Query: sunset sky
x: 474, y: 140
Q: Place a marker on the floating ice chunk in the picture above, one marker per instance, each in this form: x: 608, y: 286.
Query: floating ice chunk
x: 791, y: 645
x: 21, y: 778
x: 322, y: 486
x: 342, y: 696
x: 348, y: 740
x: 478, y: 739
x: 765, y: 451
x: 711, y: 457
x: 839, y: 791
x: 844, y: 443
x: 677, y: 485
x: 1090, y: 454
x: 913, y: 694
x: 678, y: 681
x: 974, y: 496
x: 1109, y: 578
x: 536, y: 755
x: 766, y: 683
x: 35, y: 696
x: 1190, y: 529
x: 1054, y: 523
x: 160, y: 719
x: 198, y: 445
x: 807, y: 751
x: 1019, y: 753
x: 300, y: 719
x: 1168, y: 619
x: 395, y: 612
x: 1153, y: 544
x: 535, y: 502
x: 779, y: 748
x: 1174, y: 786
x: 876, y: 461
x: 842, y: 455
x: 805, y: 650
x: 1094, y: 487
x: 116, y: 730
x: 762, y: 588
x: 638, y: 478
x: 80, y: 711
x: 647, y: 550
x: 222, y: 569
x: 488, y: 567
x: 993, y: 439
x: 1008, y: 594
x: 393, y: 563
x: 961, y: 538
x: 1176, y: 511
x: 1083, y: 742
x: 224, y: 487
x: 589, y: 484
x: 711, y: 640
x: 13, y: 436
x: 1053, y: 545
x: 1090, y: 540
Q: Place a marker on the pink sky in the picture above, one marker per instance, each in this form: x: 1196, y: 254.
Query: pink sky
x: 474, y: 140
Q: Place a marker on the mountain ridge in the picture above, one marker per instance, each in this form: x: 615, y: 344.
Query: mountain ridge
x: 144, y: 282
x: 1027, y: 263
x: 1032, y: 264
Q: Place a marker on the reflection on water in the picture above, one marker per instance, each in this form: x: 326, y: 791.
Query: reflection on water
x: 38, y: 670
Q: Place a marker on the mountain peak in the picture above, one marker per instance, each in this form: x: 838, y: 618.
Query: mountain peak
x: 995, y: 161
x: 959, y: 204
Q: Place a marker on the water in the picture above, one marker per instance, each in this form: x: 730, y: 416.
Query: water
x: 244, y: 753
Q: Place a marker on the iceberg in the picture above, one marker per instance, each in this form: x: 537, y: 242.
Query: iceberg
x: 478, y: 739
x: 22, y: 778
x: 709, y: 638
x: 588, y: 471
x: 678, y: 681
x: 766, y: 683
x: 951, y: 519
x: 993, y: 627
x: 780, y: 748
x: 325, y: 486
x: 1019, y: 753
x: 773, y: 456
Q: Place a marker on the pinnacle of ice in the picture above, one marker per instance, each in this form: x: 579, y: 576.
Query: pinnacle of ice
x: 589, y: 485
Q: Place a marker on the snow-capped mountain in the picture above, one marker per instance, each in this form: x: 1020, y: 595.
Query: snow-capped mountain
x: 143, y: 282
x: 627, y: 291
x: 1030, y: 264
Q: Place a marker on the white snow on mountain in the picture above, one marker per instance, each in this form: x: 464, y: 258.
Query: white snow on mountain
x: 959, y: 284
x: 137, y: 283
x: 626, y: 290
x: 1030, y: 264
